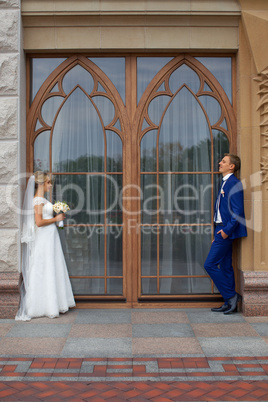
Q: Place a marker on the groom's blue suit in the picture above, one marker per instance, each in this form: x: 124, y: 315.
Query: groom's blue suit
x: 219, y: 260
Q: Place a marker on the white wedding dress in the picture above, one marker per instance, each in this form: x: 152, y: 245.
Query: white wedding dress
x: 47, y: 290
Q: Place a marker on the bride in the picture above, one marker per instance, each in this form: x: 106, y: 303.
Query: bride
x: 45, y: 288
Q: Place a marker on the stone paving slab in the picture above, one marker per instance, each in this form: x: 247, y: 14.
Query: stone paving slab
x: 162, y: 330
x: 230, y: 346
x: 136, y: 332
x: 157, y: 355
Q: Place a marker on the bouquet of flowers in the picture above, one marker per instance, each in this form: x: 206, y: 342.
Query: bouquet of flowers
x: 61, y: 207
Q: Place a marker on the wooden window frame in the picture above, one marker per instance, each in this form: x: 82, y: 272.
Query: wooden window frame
x: 132, y: 117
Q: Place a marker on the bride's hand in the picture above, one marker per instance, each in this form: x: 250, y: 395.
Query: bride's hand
x: 60, y: 217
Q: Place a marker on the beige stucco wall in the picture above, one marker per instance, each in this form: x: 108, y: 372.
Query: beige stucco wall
x: 130, y: 25
x: 252, y: 60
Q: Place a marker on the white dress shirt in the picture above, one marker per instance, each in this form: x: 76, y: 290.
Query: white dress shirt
x: 217, y: 212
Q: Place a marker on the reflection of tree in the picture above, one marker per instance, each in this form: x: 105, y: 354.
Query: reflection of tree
x: 86, y: 163
x: 174, y: 157
x: 183, y: 159
x: 89, y: 187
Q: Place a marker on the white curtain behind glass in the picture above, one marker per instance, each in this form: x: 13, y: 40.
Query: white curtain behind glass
x: 184, y: 146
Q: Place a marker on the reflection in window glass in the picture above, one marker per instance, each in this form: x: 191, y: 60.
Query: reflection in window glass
x: 148, y: 251
x: 115, y: 286
x: 184, y: 75
x: 157, y: 107
x: 113, y: 203
x: 148, y: 151
x: 114, y: 152
x: 148, y: 286
x: 184, y: 250
x: 85, y: 196
x: 86, y: 242
x: 41, y: 69
x: 41, y: 151
x: 147, y: 68
x: 50, y: 107
x: 105, y: 107
x: 78, y: 137
x: 212, y: 108
x: 94, y: 286
x: 114, y: 68
x: 77, y: 76
x: 184, y: 141
x: 220, y: 147
x: 180, y: 286
x: 221, y: 68
x: 114, y: 251
x: 149, y: 198
x: 185, y: 198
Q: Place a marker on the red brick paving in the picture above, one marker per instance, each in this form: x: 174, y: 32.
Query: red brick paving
x: 134, y: 391
x: 199, y: 387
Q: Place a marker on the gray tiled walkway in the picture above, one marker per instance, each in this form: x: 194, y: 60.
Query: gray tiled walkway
x: 131, y: 333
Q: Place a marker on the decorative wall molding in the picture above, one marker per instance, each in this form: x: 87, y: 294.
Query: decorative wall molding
x: 262, y: 79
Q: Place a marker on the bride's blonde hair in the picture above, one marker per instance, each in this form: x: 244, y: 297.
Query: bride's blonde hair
x: 41, y: 177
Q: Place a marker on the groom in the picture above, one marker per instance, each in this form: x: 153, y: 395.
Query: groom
x: 229, y: 224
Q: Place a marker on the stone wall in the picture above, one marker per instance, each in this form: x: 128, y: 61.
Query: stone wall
x: 9, y: 154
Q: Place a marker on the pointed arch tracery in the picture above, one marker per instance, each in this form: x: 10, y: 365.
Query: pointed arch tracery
x: 131, y: 134
x: 209, y: 86
x: 155, y: 280
x: 53, y: 88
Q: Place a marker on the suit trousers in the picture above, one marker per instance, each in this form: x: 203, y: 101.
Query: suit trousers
x: 219, y: 265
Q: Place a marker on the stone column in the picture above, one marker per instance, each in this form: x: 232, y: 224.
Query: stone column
x: 9, y: 156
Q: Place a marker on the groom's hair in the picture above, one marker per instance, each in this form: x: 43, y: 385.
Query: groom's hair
x: 235, y: 160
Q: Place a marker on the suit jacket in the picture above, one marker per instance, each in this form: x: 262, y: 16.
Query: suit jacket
x: 232, y: 208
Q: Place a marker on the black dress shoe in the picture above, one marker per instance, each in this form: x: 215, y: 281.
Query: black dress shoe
x: 232, y: 304
x: 224, y: 307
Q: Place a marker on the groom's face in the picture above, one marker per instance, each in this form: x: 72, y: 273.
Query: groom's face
x: 225, y: 166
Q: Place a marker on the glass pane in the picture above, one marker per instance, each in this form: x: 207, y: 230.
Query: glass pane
x: 183, y: 250
x: 77, y: 76
x: 184, y: 141
x: 220, y: 147
x: 41, y: 151
x: 50, y: 108
x: 114, y: 68
x: 78, y: 137
x: 114, y: 191
x: 156, y: 108
x: 114, y: 251
x: 87, y: 286
x: 178, y: 286
x: 148, y: 286
x: 115, y: 286
x: 41, y: 69
x: 184, y: 75
x: 83, y: 249
x: 114, y: 152
x: 212, y: 108
x: 185, y: 198
x: 147, y: 68
x: 105, y: 107
x: 149, y: 196
x: 148, y: 151
x: 149, y: 250
x: 85, y: 196
x: 217, y: 184
x: 221, y: 68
